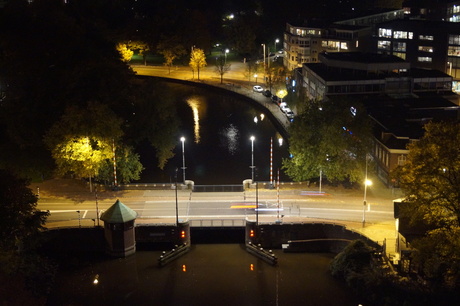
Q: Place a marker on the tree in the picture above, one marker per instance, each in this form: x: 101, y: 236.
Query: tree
x: 197, y: 60
x: 142, y: 48
x: 333, y: 137
x: 171, y: 49
x: 430, y: 180
x: 20, y: 220
x: 81, y: 142
x: 125, y: 53
x: 222, y: 67
x: 128, y: 166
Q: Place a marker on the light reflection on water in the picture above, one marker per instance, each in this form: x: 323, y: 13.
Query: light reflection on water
x: 230, y: 138
x: 194, y: 103
x: 210, y: 274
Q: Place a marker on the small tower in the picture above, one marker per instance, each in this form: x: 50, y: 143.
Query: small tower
x: 119, y: 230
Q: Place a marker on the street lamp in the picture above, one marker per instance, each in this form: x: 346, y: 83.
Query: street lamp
x: 255, y: 75
x: 264, y: 61
x: 276, y: 41
x: 366, y: 183
x: 182, y: 139
x: 252, y: 157
x: 226, y: 51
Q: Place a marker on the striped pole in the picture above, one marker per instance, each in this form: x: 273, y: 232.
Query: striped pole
x: 114, y: 164
x: 97, y: 208
x: 271, y: 162
x: 278, y: 193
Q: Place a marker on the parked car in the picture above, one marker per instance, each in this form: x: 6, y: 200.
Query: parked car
x: 258, y: 88
x: 267, y: 93
x: 275, y: 99
x: 285, y: 108
x: 289, y: 113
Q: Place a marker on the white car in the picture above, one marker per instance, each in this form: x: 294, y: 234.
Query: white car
x: 289, y: 113
x: 258, y: 88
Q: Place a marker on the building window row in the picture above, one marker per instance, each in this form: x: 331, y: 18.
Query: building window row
x: 400, y: 54
x: 358, y: 88
x: 385, y: 33
x: 403, y: 35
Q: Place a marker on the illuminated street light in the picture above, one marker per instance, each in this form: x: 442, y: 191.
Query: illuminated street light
x: 252, y: 157
x: 263, y: 45
x: 182, y: 139
x: 366, y: 183
x: 226, y: 52
x: 255, y: 76
x: 276, y: 41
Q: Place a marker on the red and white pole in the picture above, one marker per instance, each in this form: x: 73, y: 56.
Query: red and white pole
x: 271, y: 162
x: 278, y: 193
x: 114, y: 165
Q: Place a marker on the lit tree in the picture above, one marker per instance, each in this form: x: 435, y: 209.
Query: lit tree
x: 142, y: 48
x: 197, y: 60
x: 125, y: 53
x: 171, y: 49
x: 222, y: 67
x: 430, y: 179
x: 331, y: 138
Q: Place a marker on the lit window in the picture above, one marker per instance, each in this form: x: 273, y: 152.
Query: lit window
x: 385, y: 33
x: 454, y: 39
x: 399, y: 46
x: 401, y: 160
x: 425, y: 37
x: 425, y: 49
x: 400, y: 54
x: 400, y: 35
x: 344, y: 46
x: 453, y: 51
x: 383, y: 45
x: 424, y: 59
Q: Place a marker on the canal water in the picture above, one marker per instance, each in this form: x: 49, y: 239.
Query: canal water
x: 217, y: 128
x: 210, y: 274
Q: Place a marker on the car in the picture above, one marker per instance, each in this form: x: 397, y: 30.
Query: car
x: 275, y: 99
x: 289, y: 113
x: 258, y: 88
x: 267, y: 93
x: 284, y: 108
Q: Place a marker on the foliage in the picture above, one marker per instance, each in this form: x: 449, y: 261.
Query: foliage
x: 81, y: 142
x: 20, y: 221
x: 125, y: 53
x: 430, y: 180
x: 222, y: 67
x: 141, y: 47
x: 197, y: 60
x: 171, y: 49
x: 128, y: 167
x: 329, y: 137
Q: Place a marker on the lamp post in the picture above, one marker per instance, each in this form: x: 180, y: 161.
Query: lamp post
x: 182, y: 139
x: 255, y: 76
x: 226, y: 51
x: 252, y: 157
x: 276, y: 41
x: 177, y: 206
x: 366, y: 183
x: 263, y: 45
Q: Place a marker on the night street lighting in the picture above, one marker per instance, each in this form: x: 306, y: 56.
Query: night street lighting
x: 226, y: 52
x: 252, y: 157
x: 182, y: 139
x: 263, y: 45
x: 255, y: 76
x: 366, y: 183
x: 276, y: 41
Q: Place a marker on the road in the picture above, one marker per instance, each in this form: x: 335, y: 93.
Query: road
x: 161, y: 204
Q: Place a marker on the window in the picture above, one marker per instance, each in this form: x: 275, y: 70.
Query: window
x: 383, y: 45
x: 424, y: 59
x: 344, y: 46
x: 400, y: 35
x: 453, y: 51
x: 425, y: 49
x: 385, y: 33
x: 401, y: 160
x: 400, y: 54
x: 454, y: 39
x: 399, y: 46
x: 425, y: 37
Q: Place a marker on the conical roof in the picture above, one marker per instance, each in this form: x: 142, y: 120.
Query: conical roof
x: 118, y: 213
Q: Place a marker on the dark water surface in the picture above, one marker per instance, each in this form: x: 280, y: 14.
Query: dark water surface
x: 217, y: 128
x: 210, y: 274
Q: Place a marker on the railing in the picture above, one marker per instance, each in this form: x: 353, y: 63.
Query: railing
x: 218, y: 188
x: 217, y: 222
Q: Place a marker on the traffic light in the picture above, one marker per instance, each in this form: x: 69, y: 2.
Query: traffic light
x: 251, y: 234
x: 182, y: 235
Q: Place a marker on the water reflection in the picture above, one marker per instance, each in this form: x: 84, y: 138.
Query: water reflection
x: 230, y: 138
x: 194, y: 103
x: 210, y: 274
